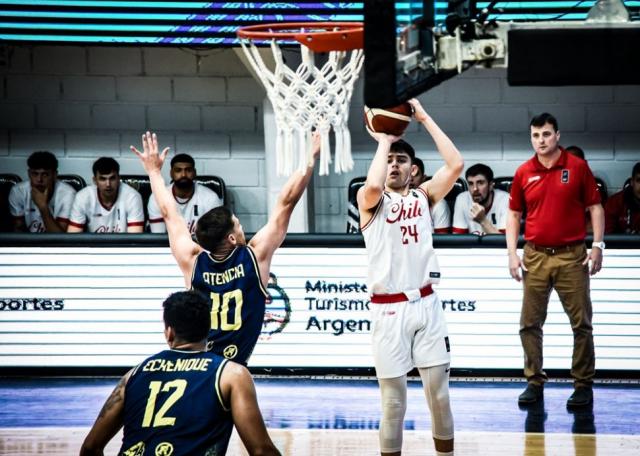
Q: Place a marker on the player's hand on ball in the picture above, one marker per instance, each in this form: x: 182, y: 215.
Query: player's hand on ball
x: 382, y: 137
x: 151, y: 159
x: 418, y: 111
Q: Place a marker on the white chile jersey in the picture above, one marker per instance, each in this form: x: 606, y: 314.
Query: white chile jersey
x: 21, y: 204
x: 89, y: 213
x: 400, y: 245
x: 202, y: 200
x: 497, y: 214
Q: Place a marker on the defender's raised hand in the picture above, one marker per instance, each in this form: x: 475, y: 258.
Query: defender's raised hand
x: 151, y: 159
x: 316, y: 144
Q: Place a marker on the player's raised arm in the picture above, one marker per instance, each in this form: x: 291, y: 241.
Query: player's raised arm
x: 108, y: 423
x: 265, y: 242
x: 182, y: 246
x: 442, y: 181
x: 370, y: 193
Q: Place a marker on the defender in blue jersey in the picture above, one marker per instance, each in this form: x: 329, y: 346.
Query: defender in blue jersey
x: 231, y: 272
x: 237, y: 299
x: 185, y: 400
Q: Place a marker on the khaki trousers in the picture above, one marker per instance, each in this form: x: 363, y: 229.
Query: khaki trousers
x: 563, y: 271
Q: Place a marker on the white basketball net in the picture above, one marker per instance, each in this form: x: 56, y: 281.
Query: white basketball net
x: 308, y: 99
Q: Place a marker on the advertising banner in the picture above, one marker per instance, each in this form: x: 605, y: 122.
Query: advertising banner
x: 102, y: 307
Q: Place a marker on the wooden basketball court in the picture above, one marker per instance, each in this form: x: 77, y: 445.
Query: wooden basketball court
x: 333, y: 416
x: 58, y: 441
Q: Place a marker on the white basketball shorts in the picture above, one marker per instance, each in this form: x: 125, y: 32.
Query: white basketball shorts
x: 409, y: 334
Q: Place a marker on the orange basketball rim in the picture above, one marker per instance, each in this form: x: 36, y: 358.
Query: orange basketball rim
x: 317, y: 36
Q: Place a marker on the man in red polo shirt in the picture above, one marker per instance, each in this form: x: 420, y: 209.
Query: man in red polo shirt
x: 555, y: 188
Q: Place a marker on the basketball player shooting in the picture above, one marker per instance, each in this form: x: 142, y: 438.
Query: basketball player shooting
x: 409, y: 328
x: 222, y: 265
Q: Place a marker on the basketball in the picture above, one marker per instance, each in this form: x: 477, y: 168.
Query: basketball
x: 392, y: 121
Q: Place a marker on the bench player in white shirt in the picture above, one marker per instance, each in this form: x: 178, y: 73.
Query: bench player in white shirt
x: 409, y: 328
x: 483, y: 208
x: 440, y: 213
x: 192, y: 198
x: 43, y: 203
x: 107, y: 206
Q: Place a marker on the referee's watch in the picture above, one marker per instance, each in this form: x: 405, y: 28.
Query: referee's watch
x: 599, y: 245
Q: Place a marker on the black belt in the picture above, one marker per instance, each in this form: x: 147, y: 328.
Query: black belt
x: 553, y: 249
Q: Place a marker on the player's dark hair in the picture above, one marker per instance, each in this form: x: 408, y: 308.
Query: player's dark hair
x: 481, y: 169
x: 403, y: 146
x: 575, y: 150
x: 542, y: 119
x: 183, y: 158
x: 105, y: 165
x: 636, y: 169
x: 419, y: 163
x: 213, y: 227
x: 188, y: 313
x: 42, y: 159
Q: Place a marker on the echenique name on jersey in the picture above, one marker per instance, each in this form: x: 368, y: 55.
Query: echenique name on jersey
x: 179, y: 365
x: 17, y: 304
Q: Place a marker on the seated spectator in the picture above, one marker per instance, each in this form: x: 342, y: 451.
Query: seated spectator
x: 43, y: 203
x: 440, y: 213
x: 107, y: 206
x: 192, y: 198
x: 577, y: 151
x: 622, y: 212
x: 482, y: 209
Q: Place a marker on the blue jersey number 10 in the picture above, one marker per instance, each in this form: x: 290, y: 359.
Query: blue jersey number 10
x: 220, y: 314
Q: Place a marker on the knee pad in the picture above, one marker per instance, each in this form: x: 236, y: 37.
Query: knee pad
x: 393, y: 393
x: 435, y: 381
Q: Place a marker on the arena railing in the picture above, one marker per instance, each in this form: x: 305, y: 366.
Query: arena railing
x: 618, y: 241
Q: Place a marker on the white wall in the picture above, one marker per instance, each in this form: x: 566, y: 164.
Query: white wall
x: 85, y: 102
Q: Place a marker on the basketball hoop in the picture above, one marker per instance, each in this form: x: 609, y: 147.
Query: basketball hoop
x: 308, y: 97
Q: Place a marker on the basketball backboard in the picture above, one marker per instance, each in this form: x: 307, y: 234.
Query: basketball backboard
x: 411, y: 47
x: 399, y: 32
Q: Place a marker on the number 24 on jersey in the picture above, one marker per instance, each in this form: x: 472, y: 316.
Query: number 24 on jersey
x: 409, y: 233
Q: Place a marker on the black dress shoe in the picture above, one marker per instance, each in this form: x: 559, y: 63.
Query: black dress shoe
x: 532, y: 394
x: 582, y: 395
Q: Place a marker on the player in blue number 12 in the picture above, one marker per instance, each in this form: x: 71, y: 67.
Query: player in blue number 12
x: 182, y: 401
x: 233, y: 273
